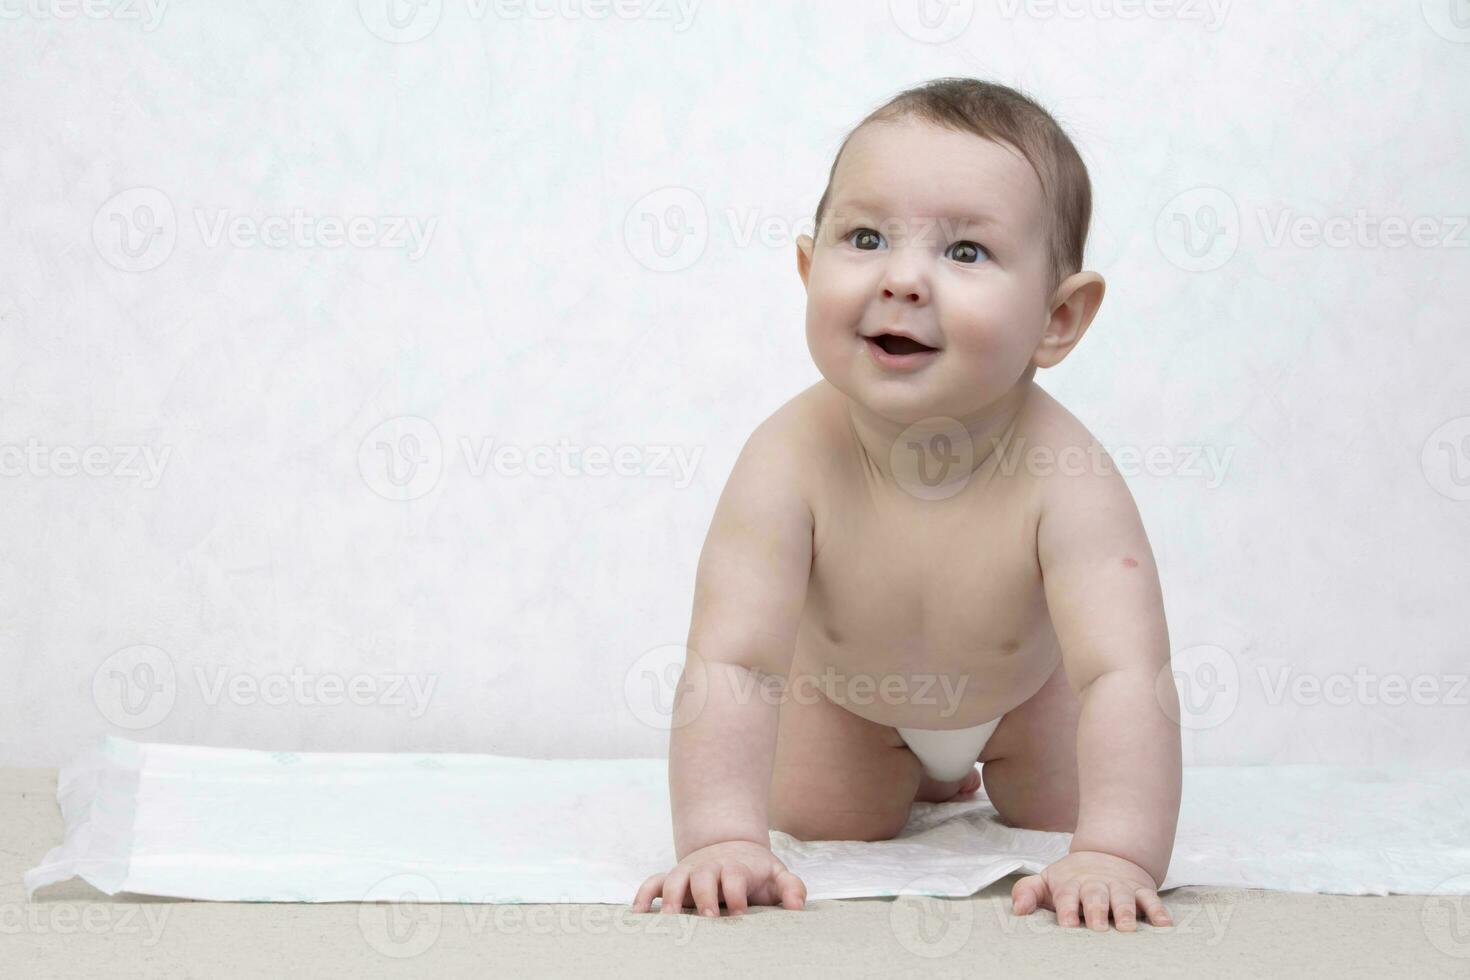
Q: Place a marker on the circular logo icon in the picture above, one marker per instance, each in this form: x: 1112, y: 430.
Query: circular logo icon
x: 401, y: 459
x: 932, y: 21
x: 654, y: 679
x: 1199, y: 230
x: 1450, y: 19
x: 400, y: 21
x: 136, y: 230
x: 667, y: 230
x: 1445, y: 917
x: 135, y: 688
x: 400, y: 916
x: 1445, y: 458
x: 933, y: 459
x: 928, y: 924
x: 1206, y: 682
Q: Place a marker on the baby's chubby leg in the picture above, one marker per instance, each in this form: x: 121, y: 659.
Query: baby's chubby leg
x: 837, y: 775
x: 1030, y: 763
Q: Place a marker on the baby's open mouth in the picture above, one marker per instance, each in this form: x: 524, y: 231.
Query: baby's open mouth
x: 894, y: 344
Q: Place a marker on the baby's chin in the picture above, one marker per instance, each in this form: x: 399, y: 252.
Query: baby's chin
x: 911, y: 398
x: 904, y: 401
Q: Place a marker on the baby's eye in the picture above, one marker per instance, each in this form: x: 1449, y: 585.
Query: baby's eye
x: 858, y: 236
x: 968, y: 252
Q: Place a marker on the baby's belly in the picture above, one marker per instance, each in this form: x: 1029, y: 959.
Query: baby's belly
x: 938, y: 676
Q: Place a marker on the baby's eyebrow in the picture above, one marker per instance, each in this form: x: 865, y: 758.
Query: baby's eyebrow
x: 954, y: 217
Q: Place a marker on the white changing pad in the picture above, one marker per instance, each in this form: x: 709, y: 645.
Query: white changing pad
x: 229, y: 824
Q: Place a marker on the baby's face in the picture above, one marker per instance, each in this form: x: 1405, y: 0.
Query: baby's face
x: 937, y: 235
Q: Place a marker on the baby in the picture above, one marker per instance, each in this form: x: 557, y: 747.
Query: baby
x: 924, y: 561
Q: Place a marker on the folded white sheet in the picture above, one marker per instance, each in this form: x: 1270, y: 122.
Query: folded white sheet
x: 230, y: 824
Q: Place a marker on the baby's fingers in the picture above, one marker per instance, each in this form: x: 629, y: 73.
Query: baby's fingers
x: 1094, y: 896
x: 732, y: 881
x: 1028, y: 894
x: 1064, y: 900
x: 1148, y: 900
x: 704, y: 886
x: 647, y: 892
x: 791, y: 889
x: 1123, y: 910
x: 674, y: 887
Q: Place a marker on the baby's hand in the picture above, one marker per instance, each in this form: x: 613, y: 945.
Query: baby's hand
x: 742, y: 871
x: 1099, y: 881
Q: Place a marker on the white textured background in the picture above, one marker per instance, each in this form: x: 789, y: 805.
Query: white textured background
x: 536, y: 153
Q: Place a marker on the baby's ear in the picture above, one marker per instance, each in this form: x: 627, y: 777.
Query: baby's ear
x: 1074, y: 304
x: 804, y: 246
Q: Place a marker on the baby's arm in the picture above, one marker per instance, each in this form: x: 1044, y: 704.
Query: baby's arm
x: 1102, y: 590
x: 748, y: 595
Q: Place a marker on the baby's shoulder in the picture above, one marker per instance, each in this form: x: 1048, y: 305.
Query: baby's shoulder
x: 1062, y: 455
x: 810, y: 423
x: 1046, y: 423
x: 800, y: 440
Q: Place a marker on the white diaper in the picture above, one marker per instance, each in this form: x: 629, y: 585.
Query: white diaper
x: 949, y: 755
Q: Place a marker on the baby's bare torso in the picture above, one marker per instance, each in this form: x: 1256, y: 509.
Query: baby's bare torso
x: 925, y: 613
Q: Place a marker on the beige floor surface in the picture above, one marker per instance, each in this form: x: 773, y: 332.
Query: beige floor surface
x: 73, y: 930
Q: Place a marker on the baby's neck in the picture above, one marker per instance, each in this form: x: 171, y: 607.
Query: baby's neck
x: 931, y: 455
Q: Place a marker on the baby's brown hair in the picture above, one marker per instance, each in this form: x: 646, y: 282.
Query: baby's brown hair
x: 1002, y: 114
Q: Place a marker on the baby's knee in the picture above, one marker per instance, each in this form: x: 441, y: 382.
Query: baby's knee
x: 1024, y: 800
x: 868, y: 805
x: 827, y: 823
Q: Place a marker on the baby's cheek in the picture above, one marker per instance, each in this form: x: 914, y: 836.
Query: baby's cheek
x: 824, y: 341
x: 989, y: 339
x: 992, y: 352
